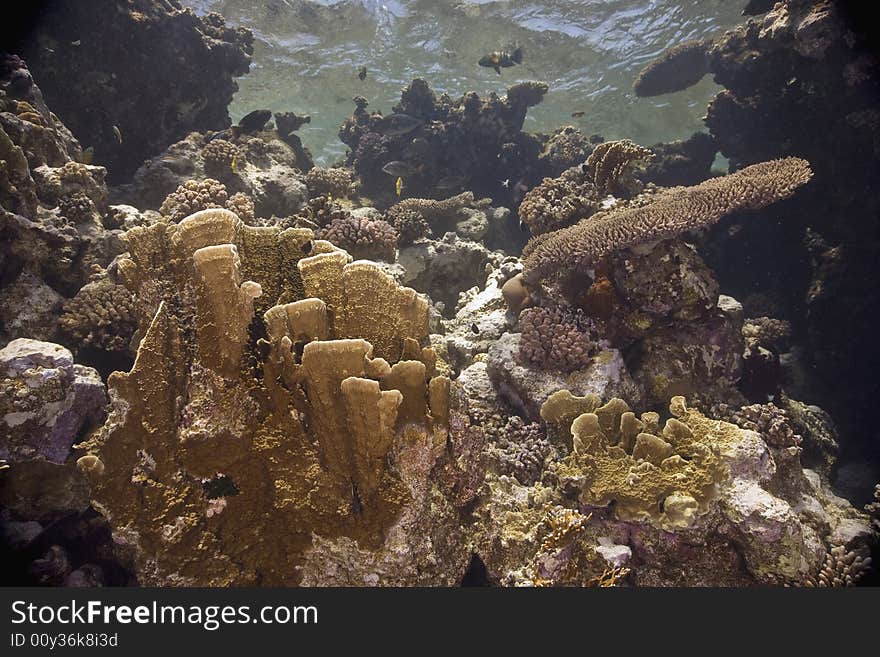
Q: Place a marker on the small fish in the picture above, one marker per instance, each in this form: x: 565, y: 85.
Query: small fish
x: 329, y: 197
x: 397, y: 124
x: 399, y: 168
x: 450, y: 182
x: 179, y: 165
x: 232, y: 164
x: 501, y: 59
x: 88, y: 155
x: 255, y: 121
x: 117, y: 133
x: 398, y: 186
x: 506, y: 183
x: 362, y: 73
x: 78, y: 42
x: 475, y: 328
x: 578, y: 114
x: 223, y: 134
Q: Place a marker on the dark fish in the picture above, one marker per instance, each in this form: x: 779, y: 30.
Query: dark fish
x: 362, y: 73
x: 501, y: 59
x: 223, y: 134
x: 255, y: 121
x: 397, y: 124
x: 578, y: 114
x: 399, y: 168
x: 475, y: 328
x: 450, y: 182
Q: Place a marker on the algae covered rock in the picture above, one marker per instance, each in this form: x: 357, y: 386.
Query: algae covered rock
x: 46, y: 400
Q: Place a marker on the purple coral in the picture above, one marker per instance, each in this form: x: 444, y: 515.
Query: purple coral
x: 556, y: 338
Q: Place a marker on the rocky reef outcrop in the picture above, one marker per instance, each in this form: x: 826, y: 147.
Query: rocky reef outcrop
x: 132, y: 103
x: 440, y: 146
x: 55, y: 221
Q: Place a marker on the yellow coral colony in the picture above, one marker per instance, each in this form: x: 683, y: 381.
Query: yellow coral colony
x: 268, y: 396
x: 664, y: 475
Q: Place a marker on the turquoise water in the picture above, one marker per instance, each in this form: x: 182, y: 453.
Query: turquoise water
x: 307, y: 55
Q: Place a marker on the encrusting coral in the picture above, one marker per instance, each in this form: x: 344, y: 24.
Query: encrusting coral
x: 672, y: 212
x: 226, y: 451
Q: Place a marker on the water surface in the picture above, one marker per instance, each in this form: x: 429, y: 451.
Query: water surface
x: 307, y: 54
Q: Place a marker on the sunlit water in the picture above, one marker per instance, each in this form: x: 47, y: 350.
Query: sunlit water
x: 307, y: 56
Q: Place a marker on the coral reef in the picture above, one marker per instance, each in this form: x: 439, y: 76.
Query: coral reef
x: 802, y: 80
x: 336, y: 181
x: 192, y: 196
x: 298, y: 423
x: 556, y: 338
x: 136, y: 49
x: 681, y: 163
x: 52, y: 211
x: 49, y: 534
x: 576, y: 193
x: 373, y: 239
x: 469, y: 143
x: 670, y: 213
x: 281, y: 408
x: 260, y: 165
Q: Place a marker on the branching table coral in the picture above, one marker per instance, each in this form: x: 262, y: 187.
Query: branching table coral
x: 672, y: 212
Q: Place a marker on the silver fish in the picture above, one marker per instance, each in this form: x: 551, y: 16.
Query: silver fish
x: 450, y: 182
x: 399, y: 168
x: 397, y: 124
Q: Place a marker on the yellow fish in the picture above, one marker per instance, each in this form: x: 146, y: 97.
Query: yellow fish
x: 329, y: 197
x: 398, y: 186
x: 232, y: 166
